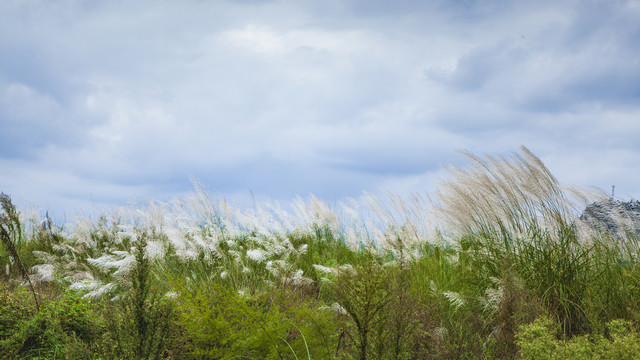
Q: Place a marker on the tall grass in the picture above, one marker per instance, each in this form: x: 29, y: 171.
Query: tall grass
x: 11, y: 235
x: 511, y: 216
x: 455, y: 275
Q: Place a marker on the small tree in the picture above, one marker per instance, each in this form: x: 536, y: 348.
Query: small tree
x: 363, y: 293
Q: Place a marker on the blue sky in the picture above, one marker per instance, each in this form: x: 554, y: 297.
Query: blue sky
x: 107, y: 102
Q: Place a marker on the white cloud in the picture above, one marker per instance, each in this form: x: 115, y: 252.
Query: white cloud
x: 125, y: 100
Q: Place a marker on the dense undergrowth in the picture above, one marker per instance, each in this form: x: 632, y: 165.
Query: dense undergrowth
x: 497, y: 266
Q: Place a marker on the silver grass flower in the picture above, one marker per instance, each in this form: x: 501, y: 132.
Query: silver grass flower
x: 440, y: 333
x: 257, y: 255
x: 338, y: 309
x: 44, y: 272
x: 455, y: 299
x: 101, y: 291
x: 171, y: 295
x: 272, y: 268
x: 87, y: 284
x: 155, y: 250
x: 44, y: 257
x: 122, y: 261
x: 346, y: 268
x: 298, y: 279
x: 325, y: 269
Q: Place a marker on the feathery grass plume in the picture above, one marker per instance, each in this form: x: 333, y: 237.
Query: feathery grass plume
x: 407, y: 223
x: 455, y: 299
x: 316, y: 213
x: 354, y: 227
x: 203, y: 206
x: 511, y: 214
x: 517, y: 195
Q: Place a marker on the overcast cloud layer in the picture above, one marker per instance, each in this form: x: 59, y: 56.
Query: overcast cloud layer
x: 104, y: 102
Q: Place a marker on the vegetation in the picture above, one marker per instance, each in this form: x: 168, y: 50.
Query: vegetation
x: 502, y: 264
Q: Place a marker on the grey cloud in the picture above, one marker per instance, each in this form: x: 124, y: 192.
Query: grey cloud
x: 589, y: 61
x: 31, y: 120
x: 284, y: 180
x: 612, y: 89
x: 26, y: 67
x: 473, y: 11
x: 392, y: 161
x: 604, y: 21
x: 602, y: 67
x: 609, y: 88
x: 386, y: 8
x: 480, y: 66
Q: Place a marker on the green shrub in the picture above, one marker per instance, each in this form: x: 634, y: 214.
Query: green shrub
x: 539, y: 341
x: 138, y: 324
x: 46, y: 333
x: 219, y: 324
x: 364, y: 292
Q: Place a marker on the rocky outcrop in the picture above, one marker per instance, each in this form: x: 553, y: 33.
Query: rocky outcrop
x: 617, y: 217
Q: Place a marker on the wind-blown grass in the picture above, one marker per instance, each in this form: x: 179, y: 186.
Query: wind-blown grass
x: 500, y: 244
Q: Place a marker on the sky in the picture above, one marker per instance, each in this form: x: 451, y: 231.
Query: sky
x: 104, y: 103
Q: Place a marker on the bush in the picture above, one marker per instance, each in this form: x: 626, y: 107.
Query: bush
x: 63, y: 325
x: 538, y: 341
x: 138, y: 325
x: 219, y: 324
x: 364, y: 293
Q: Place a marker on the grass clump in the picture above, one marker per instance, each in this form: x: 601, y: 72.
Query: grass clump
x: 11, y: 236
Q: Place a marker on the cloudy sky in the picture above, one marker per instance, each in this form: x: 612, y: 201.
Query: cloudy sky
x: 107, y: 102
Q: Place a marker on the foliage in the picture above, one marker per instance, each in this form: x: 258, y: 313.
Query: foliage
x: 51, y: 332
x: 11, y: 235
x: 363, y: 292
x: 219, y: 323
x: 140, y: 326
x: 538, y: 341
x: 205, y: 280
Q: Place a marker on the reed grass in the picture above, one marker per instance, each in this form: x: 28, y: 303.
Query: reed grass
x: 457, y: 275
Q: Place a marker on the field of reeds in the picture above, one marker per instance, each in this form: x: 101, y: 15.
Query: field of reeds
x: 499, y: 263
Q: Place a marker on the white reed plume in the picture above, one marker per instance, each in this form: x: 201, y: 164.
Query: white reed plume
x: 277, y: 268
x: 155, y: 250
x: 354, y: 227
x: 122, y: 261
x: 298, y: 279
x: 285, y: 221
x: 43, y: 272
x: 338, y: 309
x: 516, y: 194
x: 325, y: 270
x: 101, y: 291
x: 257, y: 255
x: 44, y: 257
x: 81, y: 232
x: 493, y: 296
x: 455, y: 299
x: 315, y: 212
